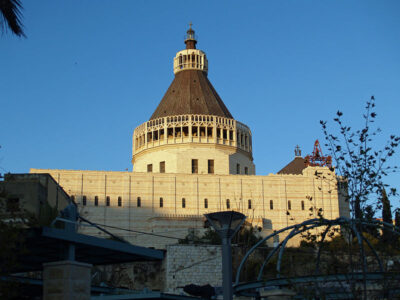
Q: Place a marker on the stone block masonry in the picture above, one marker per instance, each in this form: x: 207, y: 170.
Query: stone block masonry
x: 64, y: 280
x: 197, y: 264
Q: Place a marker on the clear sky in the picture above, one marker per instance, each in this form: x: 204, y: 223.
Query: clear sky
x: 89, y: 72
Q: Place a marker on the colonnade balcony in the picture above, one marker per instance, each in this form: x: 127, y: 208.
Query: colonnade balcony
x: 180, y: 129
x: 190, y: 59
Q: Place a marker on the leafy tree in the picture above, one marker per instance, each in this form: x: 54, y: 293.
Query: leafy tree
x: 362, y: 167
x: 397, y: 220
x: 386, y: 216
x: 10, y: 17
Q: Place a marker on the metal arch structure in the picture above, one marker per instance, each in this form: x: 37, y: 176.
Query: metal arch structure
x: 351, y: 224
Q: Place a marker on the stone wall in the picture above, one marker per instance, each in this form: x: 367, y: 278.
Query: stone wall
x: 197, y: 264
x: 250, y: 195
x: 66, y: 280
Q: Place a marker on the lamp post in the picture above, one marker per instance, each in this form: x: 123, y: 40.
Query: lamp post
x: 226, y: 224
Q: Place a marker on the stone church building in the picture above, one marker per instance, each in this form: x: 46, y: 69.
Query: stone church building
x: 190, y: 158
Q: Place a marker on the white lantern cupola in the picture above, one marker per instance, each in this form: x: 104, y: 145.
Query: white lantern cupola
x: 190, y: 58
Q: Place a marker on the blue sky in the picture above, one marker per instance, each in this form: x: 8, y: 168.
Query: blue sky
x: 89, y: 72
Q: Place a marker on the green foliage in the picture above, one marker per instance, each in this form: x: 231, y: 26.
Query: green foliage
x: 246, y: 236
x: 386, y: 217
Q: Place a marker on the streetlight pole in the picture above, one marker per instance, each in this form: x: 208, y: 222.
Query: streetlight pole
x: 226, y: 224
x: 227, y: 268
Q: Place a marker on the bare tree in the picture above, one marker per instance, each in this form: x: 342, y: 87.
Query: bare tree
x: 362, y: 167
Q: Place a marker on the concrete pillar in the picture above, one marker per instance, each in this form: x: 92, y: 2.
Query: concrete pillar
x: 66, y: 280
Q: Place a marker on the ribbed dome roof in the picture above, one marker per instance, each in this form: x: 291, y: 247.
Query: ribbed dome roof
x: 191, y: 93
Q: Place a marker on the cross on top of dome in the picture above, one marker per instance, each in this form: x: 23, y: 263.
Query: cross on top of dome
x: 190, y: 38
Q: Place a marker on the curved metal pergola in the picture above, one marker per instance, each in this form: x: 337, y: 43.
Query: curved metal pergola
x: 352, y: 225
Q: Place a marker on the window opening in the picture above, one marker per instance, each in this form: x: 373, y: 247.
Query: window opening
x: 183, y: 202
x: 209, y: 132
x: 162, y: 167
x: 228, y: 204
x: 13, y: 205
x: 161, y: 202
x: 96, y: 200
x: 289, y: 205
x: 249, y: 204
x: 302, y: 205
x: 210, y: 166
x: 149, y: 168
x: 119, y: 201
x: 271, y: 204
x: 195, y: 167
x: 237, y: 168
x: 84, y: 200
x: 138, y: 202
x: 205, y: 203
x: 108, y: 201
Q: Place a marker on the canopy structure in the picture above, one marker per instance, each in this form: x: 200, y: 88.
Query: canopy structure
x: 44, y: 245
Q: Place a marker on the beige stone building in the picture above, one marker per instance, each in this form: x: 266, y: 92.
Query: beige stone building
x: 192, y: 157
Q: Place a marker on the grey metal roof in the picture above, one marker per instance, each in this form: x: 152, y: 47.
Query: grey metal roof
x: 46, y: 245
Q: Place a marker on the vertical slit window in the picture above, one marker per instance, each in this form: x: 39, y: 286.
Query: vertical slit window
x: 108, y: 201
x: 205, y: 203
x: 162, y: 167
x: 138, y: 202
x: 119, y: 201
x: 84, y: 200
x: 210, y: 166
x: 246, y: 170
x: 237, y: 168
x: 228, y: 204
x: 183, y: 202
x: 302, y: 205
x: 249, y: 204
x: 195, y: 166
x: 161, y: 202
x: 96, y: 200
x: 271, y: 204
x: 289, y: 205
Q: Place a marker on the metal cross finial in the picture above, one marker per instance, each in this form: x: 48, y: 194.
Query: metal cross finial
x: 297, y: 151
x: 190, y: 25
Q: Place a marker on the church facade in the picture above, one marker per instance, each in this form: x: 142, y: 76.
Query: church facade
x: 191, y: 158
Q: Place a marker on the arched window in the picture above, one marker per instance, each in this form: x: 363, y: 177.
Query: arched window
x: 271, y: 204
x: 119, y: 201
x: 96, y: 200
x: 161, y: 202
x: 289, y: 205
x: 138, y: 202
x: 84, y: 200
x: 249, y: 204
x: 205, y: 203
x: 183, y: 202
x: 228, y: 204
x: 108, y: 201
x: 302, y: 205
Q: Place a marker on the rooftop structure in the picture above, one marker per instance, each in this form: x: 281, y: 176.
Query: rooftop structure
x: 192, y: 123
